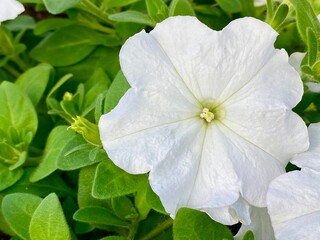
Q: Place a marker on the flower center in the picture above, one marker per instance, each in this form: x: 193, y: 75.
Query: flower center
x: 207, y: 115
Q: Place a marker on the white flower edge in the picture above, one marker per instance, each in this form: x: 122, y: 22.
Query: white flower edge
x: 311, y: 158
x: 10, y: 9
x: 294, y: 206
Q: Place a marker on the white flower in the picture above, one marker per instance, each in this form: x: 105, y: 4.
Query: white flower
x: 293, y: 198
x: 260, y: 225
x: 10, y: 9
x: 294, y: 206
x: 208, y: 113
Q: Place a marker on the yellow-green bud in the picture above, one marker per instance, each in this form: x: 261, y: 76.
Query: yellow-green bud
x: 67, y: 96
x: 87, y: 129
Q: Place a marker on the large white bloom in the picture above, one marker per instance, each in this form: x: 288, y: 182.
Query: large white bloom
x: 209, y: 113
x: 10, y: 9
x: 294, y: 198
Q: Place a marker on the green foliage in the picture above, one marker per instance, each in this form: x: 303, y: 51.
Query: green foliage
x: 60, y: 62
x: 48, y: 221
x: 192, y: 224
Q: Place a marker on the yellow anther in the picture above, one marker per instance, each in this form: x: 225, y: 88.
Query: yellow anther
x: 207, y: 115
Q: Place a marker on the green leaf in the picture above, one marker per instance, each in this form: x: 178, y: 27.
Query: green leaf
x: 193, y: 224
x: 132, y: 16
x: 50, y: 24
x: 154, y: 200
x: 114, y: 238
x: 4, y: 227
x: 247, y: 7
x: 22, y: 22
x: 18, y: 209
x: 140, y: 202
x: 111, y: 181
x: 280, y: 15
x: 81, y: 158
x: 86, y: 177
x: 119, y: 3
x: 248, y: 236
x: 99, y: 215
x: 8, y: 177
x: 34, y: 81
x: 230, y: 6
x: 59, y: 6
x: 123, y: 208
x: 16, y: 110
x: 42, y: 188
x: 181, y: 7
x: 312, y: 46
x: 60, y: 141
x: 48, y: 221
x: 306, y: 18
x: 77, y: 43
x: 117, y: 89
x: 157, y: 10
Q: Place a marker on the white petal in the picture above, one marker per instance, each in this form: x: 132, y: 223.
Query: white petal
x: 260, y: 225
x: 147, y: 66
x: 9, y: 9
x: 213, y: 62
x: 254, y: 167
x: 294, y: 206
x: 313, y: 87
x: 196, y: 173
x: 295, y: 60
x: 138, y: 130
x: 261, y: 111
x: 311, y: 158
x: 237, y: 212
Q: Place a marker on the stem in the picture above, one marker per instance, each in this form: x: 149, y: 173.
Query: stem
x: 89, y: 7
x: 159, y: 229
x: 11, y: 70
x: 22, y: 65
x: 133, y: 228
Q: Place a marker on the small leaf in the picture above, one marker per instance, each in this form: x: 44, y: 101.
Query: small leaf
x: 181, y: 7
x: 312, y: 46
x: 77, y: 43
x: 247, y: 7
x: 59, y: 6
x: 124, y: 208
x: 48, y: 221
x: 154, y: 201
x: 280, y: 15
x: 157, y: 10
x: 8, y: 177
x: 59, y: 142
x: 99, y: 215
x: 4, y: 227
x: 50, y: 24
x: 132, y: 16
x: 230, y: 6
x: 16, y: 109
x: 34, y: 81
x: 248, y: 236
x: 117, y: 89
x: 193, y: 224
x: 111, y: 181
x: 18, y: 209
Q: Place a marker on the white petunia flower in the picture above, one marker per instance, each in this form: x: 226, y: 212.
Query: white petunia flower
x: 294, y: 206
x: 260, y: 225
x: 209, y: 113
x: 10, y: 9
x: 293, y: 198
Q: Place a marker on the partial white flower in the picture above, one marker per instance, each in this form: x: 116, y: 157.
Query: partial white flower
x: 260, y: 225
x: 10, y: 9
x: 209, y: 113
x: 311, y: 158
x: 294, y: 206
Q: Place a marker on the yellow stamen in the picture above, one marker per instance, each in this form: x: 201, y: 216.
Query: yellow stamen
x: 207, y: 115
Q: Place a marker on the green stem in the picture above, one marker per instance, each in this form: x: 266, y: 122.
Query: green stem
x: 22, y: 65
x: 89, y: 7
x: 159, y: 229
x: 133, y: 228
x: 11, y: 70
